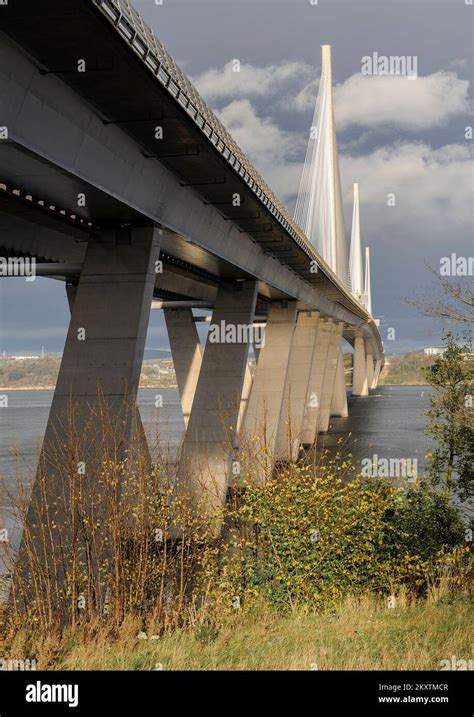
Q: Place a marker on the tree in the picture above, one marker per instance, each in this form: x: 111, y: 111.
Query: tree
x: 455, y: 304
x: 451, y: 418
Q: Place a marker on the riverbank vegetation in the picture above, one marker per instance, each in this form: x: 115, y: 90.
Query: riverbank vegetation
x: 119, y: 557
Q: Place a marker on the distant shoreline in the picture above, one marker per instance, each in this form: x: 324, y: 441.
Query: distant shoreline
x: 51, y: 388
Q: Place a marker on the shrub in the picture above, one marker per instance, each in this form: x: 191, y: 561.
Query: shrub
x: 310, y: 538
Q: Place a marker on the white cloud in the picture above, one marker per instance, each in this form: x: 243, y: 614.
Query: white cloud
x: 251, y: 81
x: 371, y: 101
x: 432, y: 185
x: 305, y: 99
x: 432, y: 188
x: 459, y: 63
x: 270, y: 148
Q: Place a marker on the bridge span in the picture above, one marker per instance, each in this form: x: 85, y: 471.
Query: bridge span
x: 118, y: 179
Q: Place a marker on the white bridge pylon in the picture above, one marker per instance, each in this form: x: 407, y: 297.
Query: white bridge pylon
x: 319, y: 208
x: 360, y: 285
x: 355, y: 260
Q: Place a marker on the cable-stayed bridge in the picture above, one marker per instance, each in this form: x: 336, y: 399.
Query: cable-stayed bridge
x: 119, y: 179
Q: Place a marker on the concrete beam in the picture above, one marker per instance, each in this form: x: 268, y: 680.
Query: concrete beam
x: 262, y: 420
x: 205, y: 465
x: 296, y: 390
x: 187, y: 355
x: 359, y: 375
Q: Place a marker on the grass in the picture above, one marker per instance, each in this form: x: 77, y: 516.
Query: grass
x: 361, y: 635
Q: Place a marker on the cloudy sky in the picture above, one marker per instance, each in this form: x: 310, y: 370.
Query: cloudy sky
x: 400, y: 136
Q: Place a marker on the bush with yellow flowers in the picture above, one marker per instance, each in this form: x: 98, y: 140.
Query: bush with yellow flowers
x: 309, y: 537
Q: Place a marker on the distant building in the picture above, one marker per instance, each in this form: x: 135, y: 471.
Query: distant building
x: 434, y: 351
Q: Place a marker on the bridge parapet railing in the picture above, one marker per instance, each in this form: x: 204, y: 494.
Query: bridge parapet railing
x: 141, y: 36
x: 129, y: 22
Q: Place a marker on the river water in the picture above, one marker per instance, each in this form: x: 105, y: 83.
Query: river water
x: 390, y: 423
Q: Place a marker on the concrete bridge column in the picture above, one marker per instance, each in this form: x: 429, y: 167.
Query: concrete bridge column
x: 92, y: 416
x: 329, y: 376
x: 262, y: 419
x: 370, y: 370
x: 187, y: 354
x: 248, y: 379
x: 205, y: 465
x: 339, y: 396
x: 110, y: 310
x: 143, y: 451
x: 359, y: 374
x: 378, y: 367
x: 316, y: 381
x: 296, y: 390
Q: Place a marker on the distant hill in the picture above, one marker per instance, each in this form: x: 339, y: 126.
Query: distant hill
x: 403, y: 370
x: 41, y: 373
x: 406, y: 370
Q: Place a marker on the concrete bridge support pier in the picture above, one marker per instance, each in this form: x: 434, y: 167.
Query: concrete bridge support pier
x: 262, y: 419
x: 248, y: 380
x: 296, y: 390
x: 316, y: 381
x: 378, y: 367
x: 110, y: 310
x: 92, y: 416
x: 339, y: 397
x: 370, y: 370
x: 205, y: 465
x: 359, y: 375
x: 186, y: 351
x: 329, y: 376
x: 143, y: 451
